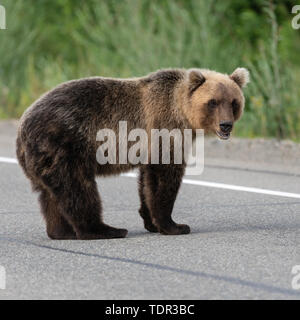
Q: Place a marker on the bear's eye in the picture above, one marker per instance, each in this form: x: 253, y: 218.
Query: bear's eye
x: 212, y: 103
x: 235, y: 106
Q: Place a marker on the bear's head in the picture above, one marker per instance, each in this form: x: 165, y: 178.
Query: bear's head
x: 215, y: 100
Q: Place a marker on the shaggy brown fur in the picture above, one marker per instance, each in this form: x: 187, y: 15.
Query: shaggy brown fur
x: 56, y: 143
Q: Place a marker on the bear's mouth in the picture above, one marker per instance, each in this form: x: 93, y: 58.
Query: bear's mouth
x: 223, y: 135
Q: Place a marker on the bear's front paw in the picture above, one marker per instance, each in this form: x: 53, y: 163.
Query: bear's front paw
x: 150, y: 227
x: 175, y: 229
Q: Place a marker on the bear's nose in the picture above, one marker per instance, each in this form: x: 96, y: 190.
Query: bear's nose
x: 226, y: 126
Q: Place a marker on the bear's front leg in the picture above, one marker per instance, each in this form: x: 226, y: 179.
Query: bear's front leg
x: 144, y: 210
x: 162, y: 183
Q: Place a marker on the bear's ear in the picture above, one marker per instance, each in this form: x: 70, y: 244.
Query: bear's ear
x: 240, y: 76
x: 196, y: 79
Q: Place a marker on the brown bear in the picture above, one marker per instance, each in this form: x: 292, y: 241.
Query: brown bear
x: 56, y: 143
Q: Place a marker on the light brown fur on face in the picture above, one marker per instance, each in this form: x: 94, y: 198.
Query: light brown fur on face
x: 217, y: 100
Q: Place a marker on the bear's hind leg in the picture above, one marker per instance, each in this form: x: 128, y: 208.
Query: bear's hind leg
x: 81, y: 207
x: 57, y: 226
x: 144, y: 211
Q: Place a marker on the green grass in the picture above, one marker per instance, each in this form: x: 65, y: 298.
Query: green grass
x: 51, y: 41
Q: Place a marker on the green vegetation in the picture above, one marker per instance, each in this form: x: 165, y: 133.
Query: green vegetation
x: 50, y: 41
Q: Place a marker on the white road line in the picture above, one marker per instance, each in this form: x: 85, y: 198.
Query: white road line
x: 206, y: 184
x: 231, y: 187
x: 241, y: 188
x: 8, y: 160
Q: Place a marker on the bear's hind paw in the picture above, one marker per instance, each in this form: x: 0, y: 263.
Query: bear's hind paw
x: 106, y: 232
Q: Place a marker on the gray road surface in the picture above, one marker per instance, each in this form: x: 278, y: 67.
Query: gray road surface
x: 242, y: 246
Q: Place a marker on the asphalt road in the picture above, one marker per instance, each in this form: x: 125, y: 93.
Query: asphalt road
x: 243, y: 245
